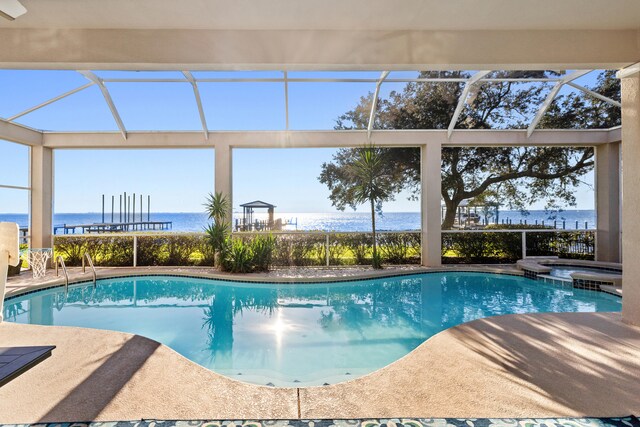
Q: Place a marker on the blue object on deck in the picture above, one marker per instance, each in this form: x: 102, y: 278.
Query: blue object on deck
x: 17, y: 360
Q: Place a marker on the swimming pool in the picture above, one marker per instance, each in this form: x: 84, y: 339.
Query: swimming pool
x: 296, y: 335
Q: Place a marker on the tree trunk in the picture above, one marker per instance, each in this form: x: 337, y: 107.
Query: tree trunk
x: 373, y: 228
x: 217, y: 260
x: 451, y: 208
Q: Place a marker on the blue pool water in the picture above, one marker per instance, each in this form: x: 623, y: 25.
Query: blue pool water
x: 296, y: 335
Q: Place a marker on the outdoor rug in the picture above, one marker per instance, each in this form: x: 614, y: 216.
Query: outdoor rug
x: 629, y: 421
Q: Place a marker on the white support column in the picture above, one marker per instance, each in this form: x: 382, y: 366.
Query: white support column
x: 430, y: 173
x: 41, y: 197
x: 631, y: 205
x: 223, y: 175
x: 608, y: 202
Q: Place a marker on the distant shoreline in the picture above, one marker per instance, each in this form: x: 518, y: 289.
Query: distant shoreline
x: 328, y: 221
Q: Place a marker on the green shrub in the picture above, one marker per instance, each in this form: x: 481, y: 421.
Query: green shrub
x: 506, y: 247
x: 71, y: 249
x: 360, y: 246
x: 151, y: 251
x: 576, y: 245
x: 336, y: 251
x: 481, y: 247
x: 186, y: 249
x: 105, y: 250
x: 115, y: 251
x: 237, y: 256
x: 307, y: 250
x: 298, y: 250
x: 180, y: 249
x: 399, y: 248
x: 205, y: 252
x: 262, y: 250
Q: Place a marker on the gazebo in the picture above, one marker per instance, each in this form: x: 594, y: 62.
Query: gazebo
x: 248, y: 223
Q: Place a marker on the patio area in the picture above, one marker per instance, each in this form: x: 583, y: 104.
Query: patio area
x: 546, y: 365
x: 536, y: 365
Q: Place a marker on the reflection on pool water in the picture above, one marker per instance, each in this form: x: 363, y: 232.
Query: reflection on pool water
x: 295, y: 335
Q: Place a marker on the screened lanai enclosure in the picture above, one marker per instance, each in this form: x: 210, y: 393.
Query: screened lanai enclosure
x: 235, y: 110
x: 235, y: 85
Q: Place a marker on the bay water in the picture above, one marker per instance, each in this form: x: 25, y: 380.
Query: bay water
x: 333, y: 221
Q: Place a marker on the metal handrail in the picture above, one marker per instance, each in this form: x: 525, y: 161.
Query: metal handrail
x: 60, y: 261
x: 87, y: 257
x: 322, y: 233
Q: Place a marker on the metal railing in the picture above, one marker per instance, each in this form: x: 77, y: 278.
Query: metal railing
x: 325, y: 236
x: 60, y: 262
x: 87, y: 257
x: 327, y: 239
x: 573, y: 247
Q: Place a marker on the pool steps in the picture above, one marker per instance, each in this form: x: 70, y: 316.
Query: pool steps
x: 609, y: 280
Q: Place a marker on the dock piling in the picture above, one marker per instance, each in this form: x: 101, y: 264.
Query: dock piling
x: 127, y: 221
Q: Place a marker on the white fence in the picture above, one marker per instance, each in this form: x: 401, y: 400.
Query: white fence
x: 336, y: 248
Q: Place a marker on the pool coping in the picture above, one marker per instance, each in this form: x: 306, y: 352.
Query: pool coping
x: 235, y: 278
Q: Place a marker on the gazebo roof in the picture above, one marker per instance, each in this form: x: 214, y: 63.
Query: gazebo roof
x: 259, y: 204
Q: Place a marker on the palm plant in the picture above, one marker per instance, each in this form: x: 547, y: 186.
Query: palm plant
x: 217, y: 208
x: 372, y: 185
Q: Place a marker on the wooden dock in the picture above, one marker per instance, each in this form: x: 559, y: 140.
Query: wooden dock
x: 113, y: 227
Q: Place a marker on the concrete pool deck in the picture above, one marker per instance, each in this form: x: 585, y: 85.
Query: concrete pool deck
x: 538, y: 365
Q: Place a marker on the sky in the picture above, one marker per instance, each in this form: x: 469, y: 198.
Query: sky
x: 179, y: 180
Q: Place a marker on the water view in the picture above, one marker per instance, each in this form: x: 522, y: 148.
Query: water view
x: 339, y: 221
